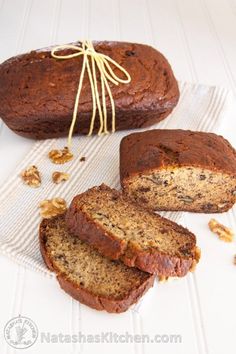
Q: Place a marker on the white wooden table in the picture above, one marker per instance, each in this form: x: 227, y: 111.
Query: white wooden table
x: 199, y: 39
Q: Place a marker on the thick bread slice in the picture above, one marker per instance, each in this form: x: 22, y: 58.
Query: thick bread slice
x: 87, y: 276
x: 179, y: 170
x: 119, y: 229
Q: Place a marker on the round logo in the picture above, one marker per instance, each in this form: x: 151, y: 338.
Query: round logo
x: 20, y: 332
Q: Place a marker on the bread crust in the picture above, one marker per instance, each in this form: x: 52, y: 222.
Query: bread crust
x: 161, y: 148
x: 152, y: 151
x: 104, y: 303
x: 149, y: 260
x: 85, y: 296
x: 37, y: 92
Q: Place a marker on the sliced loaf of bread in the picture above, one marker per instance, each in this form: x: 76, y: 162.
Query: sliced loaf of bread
x: 87, y: 276
x: 120, y: 229
x: 179, y: 170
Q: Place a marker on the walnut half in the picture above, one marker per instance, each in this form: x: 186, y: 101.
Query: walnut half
x: 224, y: 233
x: 196, y: 260
x: 234, y: 259
x: 60, y: 156
x: 165, y: 279
x: 52, y: 207
x: 58, y: 177
x: 31, y: 176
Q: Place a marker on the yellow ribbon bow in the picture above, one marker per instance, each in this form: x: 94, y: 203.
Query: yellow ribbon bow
x: 102, y: 63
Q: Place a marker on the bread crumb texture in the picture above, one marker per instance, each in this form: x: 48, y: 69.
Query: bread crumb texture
x: 85, y: 267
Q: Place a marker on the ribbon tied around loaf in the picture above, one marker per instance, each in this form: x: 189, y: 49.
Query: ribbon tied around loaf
x: 101, y: 63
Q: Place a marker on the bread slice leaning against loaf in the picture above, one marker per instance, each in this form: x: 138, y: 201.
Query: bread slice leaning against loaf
x: 179, y: 170
x: 86, y: 275
x: 119, y: 229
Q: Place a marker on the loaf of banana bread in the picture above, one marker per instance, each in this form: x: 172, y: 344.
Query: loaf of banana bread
x: 37, y: 91
x: 87, y: 276
x: 179, y: 170
x: 119, y: 229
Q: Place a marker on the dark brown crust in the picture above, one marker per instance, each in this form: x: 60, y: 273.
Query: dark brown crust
x: 103, y: 303
x: 151, y: 151
x: 46, y: 130
x: 205, y: 210
x: 83, y: 295
x: 156, y: 149
x: 37, y: 92
x: 149, y: 260
x: 87, y: 230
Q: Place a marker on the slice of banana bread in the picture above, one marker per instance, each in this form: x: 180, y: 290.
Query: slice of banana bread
x: 119, y: 229
x: 87, y: 276
x: 179, y: 170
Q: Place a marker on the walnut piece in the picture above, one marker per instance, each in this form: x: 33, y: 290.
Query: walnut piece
x: 186, y: 199
x: 60, y: 156
x: 58, y: 177
x: 196, y: 260
x: 31, y: 177
x: 165, y: 279
x: 52, y: 207
x: 197, y: 254
x: 224, y: 233
x: 234, y: 259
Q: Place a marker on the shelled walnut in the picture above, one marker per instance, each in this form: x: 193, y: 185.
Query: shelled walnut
x: 60, y: 156
x: 52, y: 207
x: 31, y: 177
x: 224, y: 233
x: 165, y: 279
x: 196, y: 260
x: 234, y: 259
x: 58, y: 177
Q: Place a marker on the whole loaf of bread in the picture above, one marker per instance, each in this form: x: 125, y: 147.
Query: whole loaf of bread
x: 37, y: 91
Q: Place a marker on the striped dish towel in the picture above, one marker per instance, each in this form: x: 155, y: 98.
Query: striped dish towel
x: 200, y: 108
